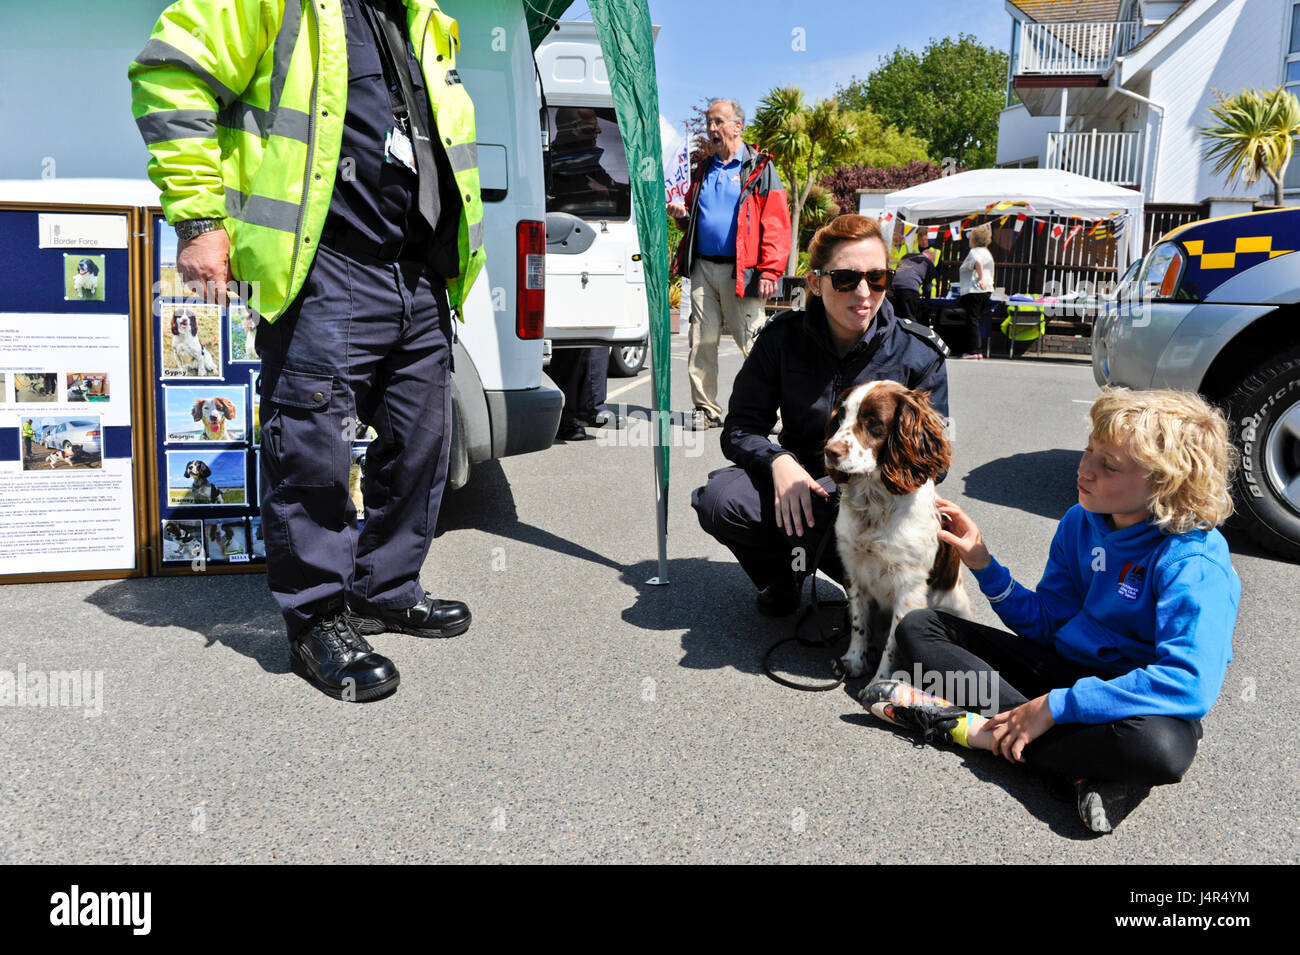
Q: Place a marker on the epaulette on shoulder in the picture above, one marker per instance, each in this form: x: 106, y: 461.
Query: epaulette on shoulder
x: 925, y: 333
x: 781, y: 318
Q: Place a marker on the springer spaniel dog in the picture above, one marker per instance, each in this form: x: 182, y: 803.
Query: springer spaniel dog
x: 214, y: 413
x: 86, y: 281
x: 192, y: 356
x: 885, y: 448
x: 202, y: 491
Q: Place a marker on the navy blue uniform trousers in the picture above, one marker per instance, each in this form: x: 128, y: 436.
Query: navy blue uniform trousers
x: 738, y: 509
x: 366, y: 342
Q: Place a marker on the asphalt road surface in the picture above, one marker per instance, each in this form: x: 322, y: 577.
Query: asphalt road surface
x: 590, y: 717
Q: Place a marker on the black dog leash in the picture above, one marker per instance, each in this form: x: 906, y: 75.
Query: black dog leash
x: 826, y: 640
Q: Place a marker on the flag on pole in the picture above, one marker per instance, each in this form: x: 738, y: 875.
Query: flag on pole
x: 677, y: 174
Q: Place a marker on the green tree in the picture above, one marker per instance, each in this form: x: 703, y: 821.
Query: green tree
x: 1254, y: 136
x: 949, y: 95
x: 806, y: 142
x: 880, y: 145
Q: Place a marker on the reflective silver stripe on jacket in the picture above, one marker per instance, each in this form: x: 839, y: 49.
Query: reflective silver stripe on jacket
x: 262, y: 210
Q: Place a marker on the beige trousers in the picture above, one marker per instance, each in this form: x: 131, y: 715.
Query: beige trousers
x: 713, y: 305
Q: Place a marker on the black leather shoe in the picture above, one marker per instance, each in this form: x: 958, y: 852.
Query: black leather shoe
x: 779, y: 599
x: 428, y: 618
x: 335, y: 659
x: 572, y: 432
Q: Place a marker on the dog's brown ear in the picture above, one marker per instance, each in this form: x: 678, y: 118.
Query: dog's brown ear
x: 197, y: 410
x: 916, y: 449
x: 175, y: 329
x: 227, y: 407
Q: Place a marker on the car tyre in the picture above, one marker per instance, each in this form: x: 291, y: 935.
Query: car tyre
x: 1264, y: 412
x: 626, y: 361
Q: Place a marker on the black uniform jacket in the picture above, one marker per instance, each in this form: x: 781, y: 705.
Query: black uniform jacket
x: 793, y: 368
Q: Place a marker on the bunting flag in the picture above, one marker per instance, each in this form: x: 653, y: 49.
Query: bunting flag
x: 1057, y: 231
x: 1003, y: 221
x: 908, y: 229
x: 1117, y: 227
x: 1073, y: 232
x: 1038, y: 226
x: 932, y: 233
x: 954, y: 230
x: 1020, y: 222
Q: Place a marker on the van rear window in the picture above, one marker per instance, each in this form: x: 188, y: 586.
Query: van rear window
x: 589, y: 176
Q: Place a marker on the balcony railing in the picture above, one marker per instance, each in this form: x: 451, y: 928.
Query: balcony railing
x: 1115, y: 158
x: 1073, y: 48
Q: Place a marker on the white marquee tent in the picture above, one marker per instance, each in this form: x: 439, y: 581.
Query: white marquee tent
x: 1046, y: 192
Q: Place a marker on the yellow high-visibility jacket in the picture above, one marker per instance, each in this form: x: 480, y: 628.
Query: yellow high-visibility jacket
x: 241, y: 104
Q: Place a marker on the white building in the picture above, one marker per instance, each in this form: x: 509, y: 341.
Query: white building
x: 1117, y: 89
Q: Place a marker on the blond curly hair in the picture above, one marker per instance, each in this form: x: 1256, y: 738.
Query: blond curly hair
x: 1181, y: 441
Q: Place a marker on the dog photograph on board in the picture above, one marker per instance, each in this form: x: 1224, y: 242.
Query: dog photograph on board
x: 205, y: 414
x: 191, y: 339
x: 206, y: 478
x: 83, y: 278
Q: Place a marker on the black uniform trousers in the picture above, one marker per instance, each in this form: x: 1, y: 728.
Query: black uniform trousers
x: 1142, y: 750
x: 738, y: 509
x: 367, y: 342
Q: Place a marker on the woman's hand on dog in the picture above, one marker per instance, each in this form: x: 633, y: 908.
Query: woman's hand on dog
x: 1015, y: 729
x: 793, y: 502
x: 204, y: 264
x: 962, y: 533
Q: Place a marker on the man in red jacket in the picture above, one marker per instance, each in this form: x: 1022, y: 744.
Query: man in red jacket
x: 735, y: 244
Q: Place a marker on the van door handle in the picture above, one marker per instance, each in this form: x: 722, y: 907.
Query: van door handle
x: 584, y: 279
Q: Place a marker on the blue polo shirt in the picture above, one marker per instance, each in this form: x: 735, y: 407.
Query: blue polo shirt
x: 719, y: 204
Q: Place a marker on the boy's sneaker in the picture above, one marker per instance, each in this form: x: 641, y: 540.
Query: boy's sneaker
x: 1103, y: 805
x: 904, y: 705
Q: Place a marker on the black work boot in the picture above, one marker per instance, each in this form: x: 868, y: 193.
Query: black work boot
x: 429, y: 618
x: 333, y: 657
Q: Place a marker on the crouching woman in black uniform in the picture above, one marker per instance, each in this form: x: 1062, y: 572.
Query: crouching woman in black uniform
x: 773, y: 507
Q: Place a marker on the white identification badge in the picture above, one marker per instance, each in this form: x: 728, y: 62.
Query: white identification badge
x: 397, y: 148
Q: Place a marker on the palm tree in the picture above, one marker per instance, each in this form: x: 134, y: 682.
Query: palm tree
x: 805, y: 141
x: 1254, y: 135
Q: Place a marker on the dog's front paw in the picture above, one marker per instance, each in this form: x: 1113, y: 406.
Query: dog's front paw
x: 853, y: 664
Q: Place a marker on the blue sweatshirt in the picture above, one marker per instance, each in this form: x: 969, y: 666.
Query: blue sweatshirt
x: 1152, y: 613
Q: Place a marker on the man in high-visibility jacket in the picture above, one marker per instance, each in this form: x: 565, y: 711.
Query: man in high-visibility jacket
x: 28, y: 433
x: 322, y: 154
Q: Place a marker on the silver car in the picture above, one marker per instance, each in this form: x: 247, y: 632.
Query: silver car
x: 82, y: 436
x: 1214, y: 307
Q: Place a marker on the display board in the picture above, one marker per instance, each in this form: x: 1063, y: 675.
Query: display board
x: 71, y: 500
x: 204, y: 411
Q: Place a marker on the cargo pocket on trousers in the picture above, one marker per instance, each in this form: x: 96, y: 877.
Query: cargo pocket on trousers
x: 303, y: 437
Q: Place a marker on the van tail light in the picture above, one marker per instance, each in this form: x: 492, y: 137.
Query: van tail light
x: 530, y: 279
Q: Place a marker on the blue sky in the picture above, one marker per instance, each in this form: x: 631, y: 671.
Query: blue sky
x: 741, y: 50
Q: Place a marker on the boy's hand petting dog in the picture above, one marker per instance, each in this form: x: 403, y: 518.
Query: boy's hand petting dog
x: 793, y: 503
x: 963, y: 534
x: 1015, y: 729
x: 204, y: 264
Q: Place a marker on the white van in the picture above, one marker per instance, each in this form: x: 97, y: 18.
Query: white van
x: 503, y: 403
x: 595, y: 284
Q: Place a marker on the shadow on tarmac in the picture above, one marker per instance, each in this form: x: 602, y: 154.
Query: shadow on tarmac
x: 234, y: 610
x: 1041, y: 482
x: 1030, y: 788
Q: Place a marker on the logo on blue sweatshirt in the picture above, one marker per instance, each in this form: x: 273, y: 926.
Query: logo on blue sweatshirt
x: 1131, y: 578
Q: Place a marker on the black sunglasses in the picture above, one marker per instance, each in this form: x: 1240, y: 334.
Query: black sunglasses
x: 846, y: 280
